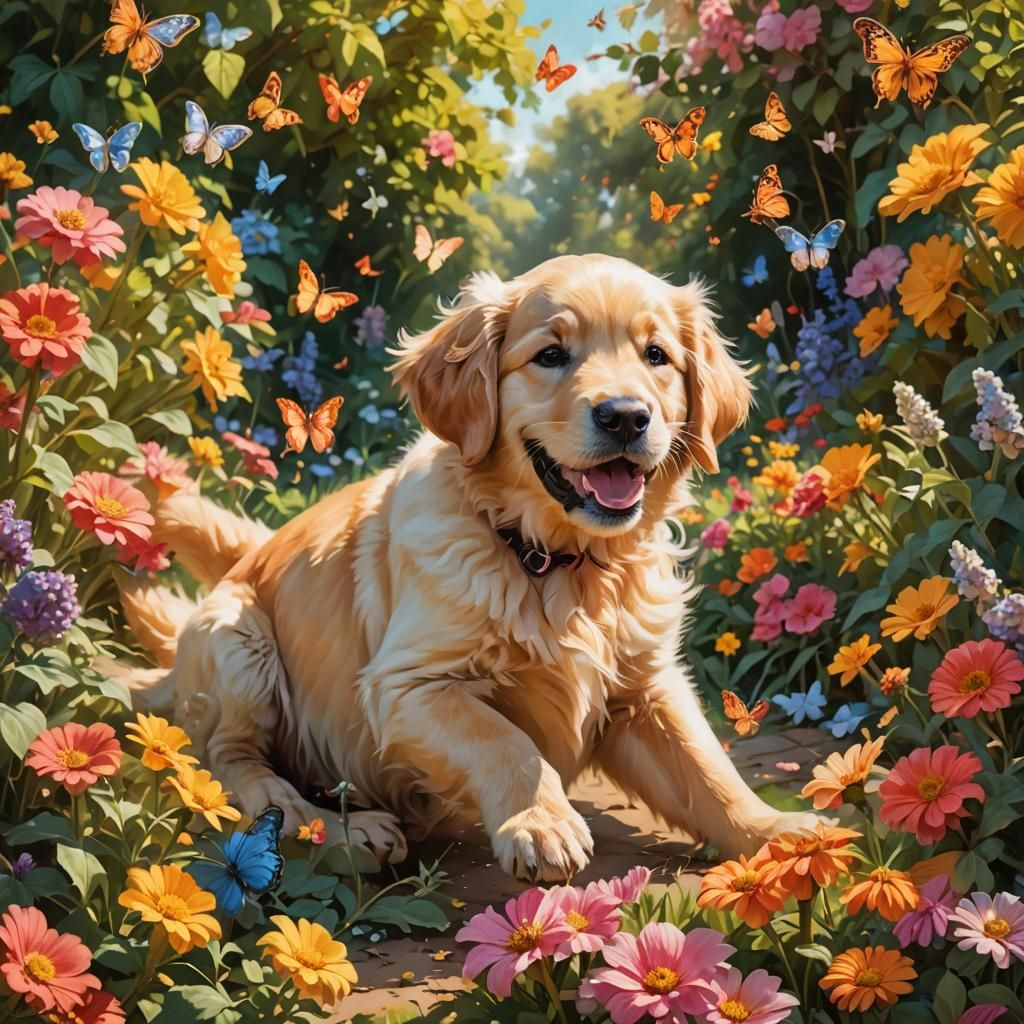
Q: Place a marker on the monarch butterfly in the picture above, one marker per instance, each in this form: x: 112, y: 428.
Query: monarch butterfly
x: 769, y: 202
x: 549, y: 71
x: 745, y: 722
x: 661, y: 212
x: 775, y: 124
x: 434, y: 254
x: 682, y: 139
x: 142, y: 37
x: 316, y: 426
x: 311, y: 296
x: 267, y: 106
x: 343, y: 101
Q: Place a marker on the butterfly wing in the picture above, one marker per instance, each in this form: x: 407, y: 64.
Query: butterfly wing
x: 256, y: 856
x: 339, y: 212
x: 559, y: 76
x: 321, y: 424
x: 329, y: 304
x: 125, y: 25
x: 213, y: 30
x: 297, y: 423
x: 733, y: 707
x: 280, y: 118
x: 144, y: 54
x: 217, y: 879
x: 365, y: 268
x: 309, y: 288
x: 685, y: 133
x: 775, y: 124
x: 197, y: 128
x: 268, y: 99
x: 350, y: 100
x: 230, y: 37
x: 223, y: 139
x: 94, y: 144
x: 662, y: 136
x: 444, y: 248
x: 657, y: 207
x: 750, y: 723
x: 769, y: 202
x: 881, y: 47
x: 423, y: 244
x: 797, y: 245
x: 331, y: 92
x: 928, y: 63
x: 824, y: 241
x: 119, y: 145
x: 547, y: 64
x: 171, y: 30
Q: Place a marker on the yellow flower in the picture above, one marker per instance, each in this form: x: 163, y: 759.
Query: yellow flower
x: 783, y: 451
x: 1002, y: 199
x: 12, y: 172
x: 212, y: 367
x: 44, y: 132
x: 855, y: 553
x: 841, y: 771
x: 165, y: 198
x: 163, y: 894
x: 936, y: 266
x: 162, y: 742
x: 845, y: 469
x: 712, y: 142
x: 100, y: 276
x: 701, y: 198
x: 206, y: 452
x: 874, y: 328
x: 933, y: 171
x: 202, y: 794
x: 307, y: 954
x: 870, y: 422
x: 220, y: 252
x: 4, y: 109
x: 851, y: 658
x: 919, y: 610
x: 728, y: 644
x: 781, y: 476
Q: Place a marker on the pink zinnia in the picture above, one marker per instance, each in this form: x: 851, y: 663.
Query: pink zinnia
x: 755, y: 999
x: 71, y: 224
x: 628, y: 887
x: 742, y: 499
x: 770, y: 608
x: 881, y: 268
x: 983, y: 1013
x: 166, y: 472
x: 855, y: 6
x: 716, y: 536
x: 593, y: 916
x: 979, y: 675
x: 44, y: 326
x: 802, y: 27
x: 255, y: 457
x: 991, y: 927
x: 76, y: 755
x: 808, y: 496
x: 111, y: 508
x: 931, y: 915
x: 248, y: 314
x: 533, y: 927
x: 98, y: 1008
x: 441, y: 143
x: 812, y: 605
x: 661, y: 972
x: 925, y: 791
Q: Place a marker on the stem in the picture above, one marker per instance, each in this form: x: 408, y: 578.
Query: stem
x: 154, y: 958
x: 552, y: 989
x: 31, y: 394
x: 773, y: 937
x: 806, y: 908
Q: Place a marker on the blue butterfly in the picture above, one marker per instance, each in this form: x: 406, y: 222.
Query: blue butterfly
x: 113, y: 152
x: 266, y: 183
x: 814, y: 252
x: 214, y: 141
x: 217, y: 37
x: 757, y: 274
x: 252, y: 863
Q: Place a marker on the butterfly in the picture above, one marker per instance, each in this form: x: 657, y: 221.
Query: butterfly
x: 339, y: 212
x: 549, y: 71
x: 757, y: 274
x: 663, y: 213
x: 775, y: 123
x: 769, y: 202
x: 217, y: 37
x: 598, y: 22
x: 214, y: 141
x: 316, y: 426
x: 812, y: 252
x: 363, y: 266
x: 266, y: 183
x: 114, y: 151
x: 763, y: 324
x: 682, y: 139
x: 267, y: 106
x: 344, y: 101
x: 745, y: 722
x: 311, y: 296
x: 425, y: 249
x: 143, y: 38
x: 899, y: 68
x: 252, y: 863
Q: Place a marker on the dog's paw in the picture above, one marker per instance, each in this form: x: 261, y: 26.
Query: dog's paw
x: 380, y: 833
x: 539, y: 845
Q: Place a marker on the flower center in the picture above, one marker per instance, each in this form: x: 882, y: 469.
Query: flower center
x: 72, y: 220
x: 72, y: 758
x: 159, y: 747
x: 311, y: 958
x: 880, y: 874
x: 745, y: 882
x: 173, y: 907
x: 869, y: 978
x: 524, y: 938
x: 733, y: 1009
x: 975, y: 681
x: 661, y: 980
x: 997, y: 928
x: 576, y: 920
x: 40, y: 967
x: 924, y: 611
x: 111, y: 508
x: 930, y: 787
x: 41, y: 326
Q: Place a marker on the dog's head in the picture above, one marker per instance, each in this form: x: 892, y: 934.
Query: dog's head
x: 586, y: 387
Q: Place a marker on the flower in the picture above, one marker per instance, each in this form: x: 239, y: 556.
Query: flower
x: 165, y: 895
x: 110, y: 508
x: 206, y: 452
x: 165, y: 471
x: 315, y: 832
x: 749, y: 888
x: 249, y: 314
x: 894, y: 681
x: 440, y: 143
x: 918, y: 610
x: 851, y: 658
x: 999, y: 420
x: 982, y: 1013
x: 44, y: 132
x: 164, y: 197
x: 255, y: 457
x: 808, y: 608
x: 1001, y: 200
x: 162, y: 742
x: 300, y: 371
x: 661, y: 972
x: 860, y: 978
x: 721, y: 34
x: 43, y: 605
x: 807, y: 705
x: 147, y: 557
x: 783, y: 451
x: 742, y: 499
x: 214, y: 371
x: 257, y: 233
x: 755, y: 999
x: 889, y: 892
x: 15, y: 538
x: 24, y: 864
x: 854, y: 554
x: 1005, y: 620
x: 774, y: 31
x: 70, y: 224
x: 870, y: 422
x: 991, y: 926
x: 844, y: 470
x: 627, y: 888
x: 929, y: 918
x: 75, y: 755
x: 763, y: 324
x: 796, y: 553
x: 533, y: 927
x: 716, y: 536
x: 881, y: 268
x: 711, y: 143
x: 306, y: 953
x: 874, y: 328
x: 202, y: 794
x: 220, y: 252
x: 924, y: 425
x: 808, y: 496
x: 12, y: 172
x: 755, y: 563
x: 926, y: 790
x: 780, y: 477
x: 976, y: 676
x: 593, y: 915
x: 44, y: 326
x: 842, y: 772
x: 727, y: 643
x: 805, y: 859
x: 98, y: 1008
x: 371, y: 327
x: 936, y: 267
x: 830, y: 142
x: 770, y: 608
x: 46, y: 968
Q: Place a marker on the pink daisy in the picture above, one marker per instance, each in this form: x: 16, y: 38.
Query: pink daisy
x: 755, y: 999
x: 255, y: 457
x: 977, y: 676
x: 931, y: 915
x: 70, y: 224
x: 983, y: 1013
x: 111, y: 508
x: 716, y: 536
x: 441, y: 143
x: 812, y: 605
x: 44, y: 326
x: 627, y: 888
x: 593, y: 916
x: 991, y: 927
x: 881, y: 268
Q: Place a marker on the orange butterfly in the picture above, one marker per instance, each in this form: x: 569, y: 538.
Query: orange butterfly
x: 343, y: 101
x: 763, y: 324
x: 363, y: 266
x: 682, y: 139
x: 303, y: 426
x: 549, y: 71
x: 311, y: 296
x: 339, y: 212
x: 598, y: 22
x: 899, y: 68
x: 769, y: 202
x: 746, y: 723
x: 425, y: 249
x: 775, y: 123
x: 663, y: 213
x: 267, y: 106
x: 144, y: 38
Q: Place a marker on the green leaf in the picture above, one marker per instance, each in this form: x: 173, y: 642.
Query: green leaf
x: 999, y: 994
x: 224, y: 70
x: 870, y: 192
x: 175, y: 420
x: 20, y: 725
x: 253, y: 971
x: 815, y: 951
x: 87, y: 874
x: 206, y: 1001
x: 45, y: 675
x: 54, y: 468
x: 950, y: 999
x: 55, y: 408
x: 41, y: 828
x: 988, y: 501
x: 105, y: 436
x: 869, y: 601
x: 101, y: 357
x: 67, y: 95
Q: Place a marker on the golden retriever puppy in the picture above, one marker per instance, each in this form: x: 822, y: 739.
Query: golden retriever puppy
x: 461, y: 635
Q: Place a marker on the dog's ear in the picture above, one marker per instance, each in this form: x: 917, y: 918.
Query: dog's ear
x: 449, y: 374
x: 718, y: 392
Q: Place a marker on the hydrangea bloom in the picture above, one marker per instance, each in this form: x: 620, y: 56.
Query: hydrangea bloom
x: 300, y: 371
x: 15, y: 538
x: 972, y: 578
x: 1005, y: 620
x: 923, y: 423
x: 43, y: 605
x: 999, y: 419
x: 257, y: 233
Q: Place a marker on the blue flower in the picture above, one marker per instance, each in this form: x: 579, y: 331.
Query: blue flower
x: 354, y: 456
x: 222, y: 424
x: 320, y: 470
x: 300, y: 371
x: 847, y: 718
x: 370, y: 414
x: 757, y: 274
x: 265, y: 435
x: 257, y: 233
x: 264, y: 362
x: 803, y: 705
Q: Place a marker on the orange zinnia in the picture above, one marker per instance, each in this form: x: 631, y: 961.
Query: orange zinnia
x: 919, y: 610
x: 859, y: 978
x: 1002, y: 199
x: 875, y: 327
x: 936, y: 267
x: 755, y: 563
x: 748, y: 888
x: 845, y: 469
x: 781, y: 477
x: 886, y: 890
x: 841, y: 771
x: 805, y: 859
x: 854, y: 553
x: 851, y: 658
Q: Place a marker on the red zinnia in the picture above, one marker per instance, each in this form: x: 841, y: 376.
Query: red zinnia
x: 76, y: 755
x: 976, y: 676
x: 111, y: 508
x: 98, y: 1008
x: 44, y: 326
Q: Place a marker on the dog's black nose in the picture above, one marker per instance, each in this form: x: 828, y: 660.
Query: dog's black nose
x: 625, y: 418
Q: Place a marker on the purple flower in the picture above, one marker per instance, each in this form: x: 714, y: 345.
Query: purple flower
x: 15, y: 538
x: 300, y: 371
x: 999, y: 419
x: 931, y: 916
x: 1005, y: 620
x: 25, y: 864
x: 716, y: 536
x: 372, y: 327
x: 43, y: 605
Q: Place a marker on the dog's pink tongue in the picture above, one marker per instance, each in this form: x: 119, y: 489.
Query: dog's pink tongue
x: 617, y: 484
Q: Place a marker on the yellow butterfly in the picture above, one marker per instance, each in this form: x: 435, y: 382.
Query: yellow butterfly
x: 661, y: 212
x: 267, y: 106
x: 775, y: 124
x: 434, y: 254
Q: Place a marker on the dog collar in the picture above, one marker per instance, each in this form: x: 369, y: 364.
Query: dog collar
x: 536, y: 561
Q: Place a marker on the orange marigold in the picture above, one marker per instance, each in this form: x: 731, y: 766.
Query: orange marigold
x: 886, y: 890
x: 755, y: 563
x: 859, y: 978
x: 845, y: 469
x: 1002, y: 199
x: 919, y: 610
x: 805, y: 859
x: 936, y: 267
x: 851, y: 658
x: 748, y: 888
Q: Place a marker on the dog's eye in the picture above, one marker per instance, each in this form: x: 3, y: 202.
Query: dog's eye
x: 552, y: 356
x: 655, y: 355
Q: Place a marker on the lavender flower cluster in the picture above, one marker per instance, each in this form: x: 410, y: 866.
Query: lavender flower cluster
x: 15, y: 538
x: 1005, y: 620
x: 300, y: 371
x: 999, y: 420
x: 973, y: 579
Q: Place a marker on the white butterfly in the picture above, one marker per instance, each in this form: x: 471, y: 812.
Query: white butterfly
x: 113, y: 152
x: 811, y: 252
x: 214, y: 140
x: 375, y: 203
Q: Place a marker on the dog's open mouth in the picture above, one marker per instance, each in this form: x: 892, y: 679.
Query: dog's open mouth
x: 614, y: 488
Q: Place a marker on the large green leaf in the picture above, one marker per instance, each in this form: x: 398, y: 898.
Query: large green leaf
x: 100, y: 356
x: 105, y: 436
x: 20, y: 725
x: 224, y: 70
x: 84, y: 869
